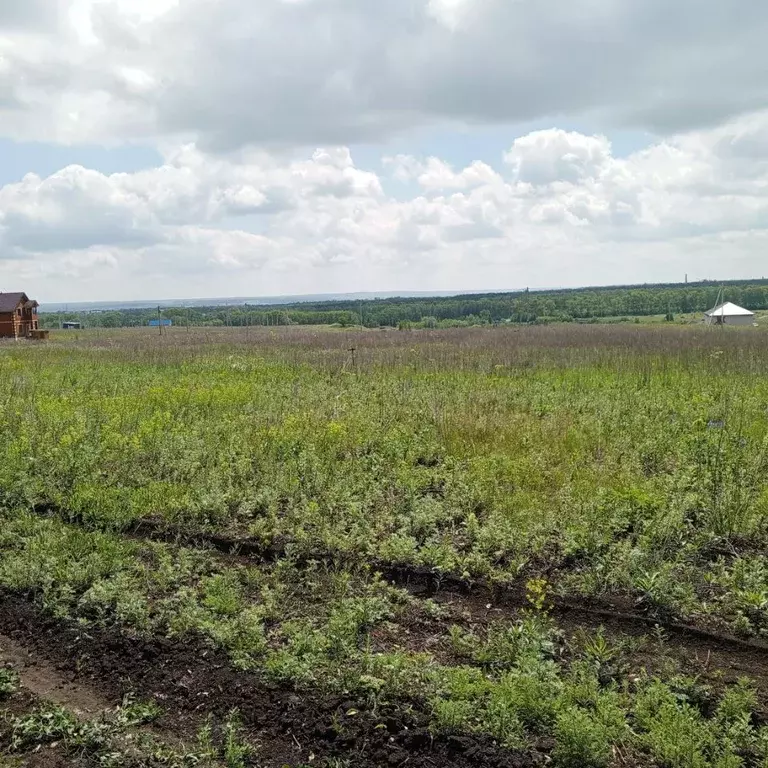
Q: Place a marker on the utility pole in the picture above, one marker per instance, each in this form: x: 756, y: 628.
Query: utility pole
x: 160, y: 319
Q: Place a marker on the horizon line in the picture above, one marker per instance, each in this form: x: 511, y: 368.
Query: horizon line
x: 307, y: 298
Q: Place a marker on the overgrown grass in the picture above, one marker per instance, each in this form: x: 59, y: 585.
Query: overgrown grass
x: 620, y: 462
x: 514, y: 682
x: 634, y: 467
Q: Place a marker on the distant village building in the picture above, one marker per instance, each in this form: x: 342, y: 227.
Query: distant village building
x: 18, y: 315
x: 729, y: 314
x: 71, y: 325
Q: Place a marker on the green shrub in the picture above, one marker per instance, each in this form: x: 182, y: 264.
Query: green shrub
x: 580, y: 740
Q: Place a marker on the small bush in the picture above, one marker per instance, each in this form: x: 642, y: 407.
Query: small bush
x: 581, y: 741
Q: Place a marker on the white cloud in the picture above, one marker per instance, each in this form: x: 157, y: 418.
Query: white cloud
x: 560, y: 209
x: 434, y: 173
x: 449, y: 12
x: 236, y: 72
x: 544, y: 157
x: 239, y: 93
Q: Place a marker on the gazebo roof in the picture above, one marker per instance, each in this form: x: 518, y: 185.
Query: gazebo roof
x: 729, y: 310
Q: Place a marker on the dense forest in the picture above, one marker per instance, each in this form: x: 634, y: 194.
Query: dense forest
x: 566, y: 305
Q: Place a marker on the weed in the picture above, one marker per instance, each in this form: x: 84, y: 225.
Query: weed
x: 582, y: 742
x: 9, y: 682
x: 537, y: 593
x: 235, y: 750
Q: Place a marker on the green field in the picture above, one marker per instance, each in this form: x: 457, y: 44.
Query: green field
x: 532, y: 545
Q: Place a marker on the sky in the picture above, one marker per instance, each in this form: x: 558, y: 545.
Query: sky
x: 203, y: 148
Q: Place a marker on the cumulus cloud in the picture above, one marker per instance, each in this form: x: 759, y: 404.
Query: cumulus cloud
x: 78, y: 207
x: 559, y: 208
x: 434, y: 173
x: 548, y: 156
x: 232, y: 73
x: 255, y: 104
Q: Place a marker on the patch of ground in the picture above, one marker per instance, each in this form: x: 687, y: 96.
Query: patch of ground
x: 43, y: 755
x: 50, y: 681
x: 477, y: 601
x: 189, y: 681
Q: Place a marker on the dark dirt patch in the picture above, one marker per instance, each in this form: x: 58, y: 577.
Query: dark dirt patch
x: 715, y: 662
x: 50, y: 681
x: 427, y: 582
x: 158, y: 529
x: 717, y: 658
x: 479, y: 598
x: 50, y: 757
x: 46, y: 757
x: 414, y: 632
x: 190, y: 680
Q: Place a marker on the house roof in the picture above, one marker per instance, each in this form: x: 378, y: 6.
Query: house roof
x: 9, y: 301
x: 729, y: 310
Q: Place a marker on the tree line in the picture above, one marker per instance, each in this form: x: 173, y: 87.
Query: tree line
x: 565, y: 305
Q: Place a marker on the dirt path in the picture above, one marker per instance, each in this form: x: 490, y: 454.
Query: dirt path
x: 52, y: 682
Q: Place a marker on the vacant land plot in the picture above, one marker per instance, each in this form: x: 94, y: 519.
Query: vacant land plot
x: 488, y: 547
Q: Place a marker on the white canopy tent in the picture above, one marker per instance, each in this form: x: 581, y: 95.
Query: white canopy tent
x: 729, y: 314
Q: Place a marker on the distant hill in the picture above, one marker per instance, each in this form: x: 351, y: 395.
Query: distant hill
x: 235, y: 301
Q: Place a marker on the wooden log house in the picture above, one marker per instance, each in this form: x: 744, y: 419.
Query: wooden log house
x: 18, y: 316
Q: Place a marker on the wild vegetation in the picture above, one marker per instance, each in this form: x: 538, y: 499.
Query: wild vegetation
x: 503, y: 546
x: 580, y: 304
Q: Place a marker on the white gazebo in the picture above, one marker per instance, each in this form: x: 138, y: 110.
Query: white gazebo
x: 729, y: 314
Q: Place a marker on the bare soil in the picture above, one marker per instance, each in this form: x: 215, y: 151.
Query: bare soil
x: 189, y: 680
x: 50, y: 681
x: 92, y: 670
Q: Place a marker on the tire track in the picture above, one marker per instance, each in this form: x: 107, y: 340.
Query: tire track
x: 425, y: 582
